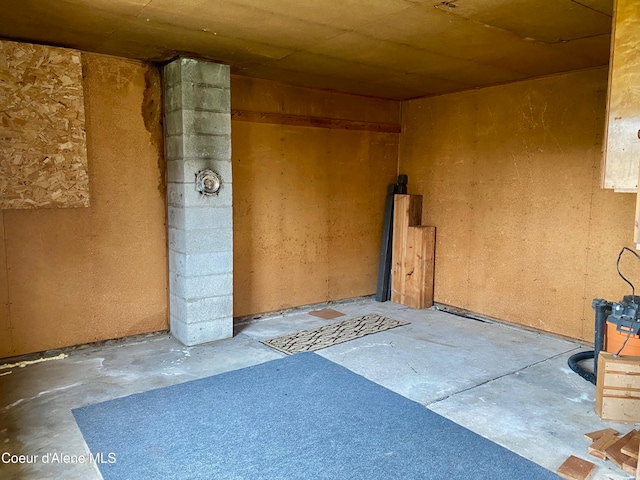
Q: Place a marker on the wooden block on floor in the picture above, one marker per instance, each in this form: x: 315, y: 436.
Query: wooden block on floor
x: 413, y: 254
x: 613, y: 452
x: 630, y: 465
x: 632, y: 446
x: 637, y: 469
x: 419, y: 264
x: 598, y: 447
x: 326, y: 313
x: 575, y: 468
x: 593, y: 436
x: 407, y: 212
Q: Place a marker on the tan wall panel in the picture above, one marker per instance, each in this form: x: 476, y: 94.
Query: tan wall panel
x: 442, y: 172
x: 308, y: 202
x: 5, y: 320
x: 509, y: 175
x: 360, y: 168
x: 258, y: 95
x: 128, y: 220
x: 280, y: 218
x: 82, y: 275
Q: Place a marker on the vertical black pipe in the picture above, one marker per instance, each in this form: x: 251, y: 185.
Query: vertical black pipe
x: 603, y: 309
x: 383, y: 291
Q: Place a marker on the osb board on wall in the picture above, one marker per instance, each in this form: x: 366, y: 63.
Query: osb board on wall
x: 509, y: 177
x: 622, y: 146
x: 308, y: 208
x: 113, y: 282
x: 43, y: 154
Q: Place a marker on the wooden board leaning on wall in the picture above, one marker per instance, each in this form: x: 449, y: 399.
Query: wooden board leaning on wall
x: 43, y: 152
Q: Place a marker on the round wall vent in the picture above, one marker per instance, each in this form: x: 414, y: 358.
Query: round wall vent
x: 208, y: 182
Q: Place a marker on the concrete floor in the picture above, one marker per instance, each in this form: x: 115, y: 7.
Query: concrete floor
x: 510, y: 385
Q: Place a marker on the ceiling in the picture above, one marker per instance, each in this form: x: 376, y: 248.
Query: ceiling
x: 397, y: 49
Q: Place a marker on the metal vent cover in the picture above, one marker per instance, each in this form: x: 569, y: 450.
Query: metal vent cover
x: 208, y: 182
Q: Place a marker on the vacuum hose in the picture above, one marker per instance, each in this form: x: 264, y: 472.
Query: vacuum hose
x: 575, y: 365
x: 603, y: 309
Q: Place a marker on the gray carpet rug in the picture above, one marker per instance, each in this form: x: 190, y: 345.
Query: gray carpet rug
x: 300, y: 417
x: 314, y: 339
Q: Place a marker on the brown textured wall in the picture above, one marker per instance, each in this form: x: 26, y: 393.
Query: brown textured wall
x: 308, y: 202
x: 510, y: 177
x: 80, y: 275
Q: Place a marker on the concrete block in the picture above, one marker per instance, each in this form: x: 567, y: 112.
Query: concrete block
x: 196, y: 122
x: 205, y: 122
x: 205, y: 73
x: 198, y: 128
x: 201, y: 332
x: 200, y: 241
x: 201, y: 264
x: 190, y: 96
x: 185, y: 170
x: 186, y: 195
x: 201, y: 309
x: 198, y: 146
x: 173, y: 147
x: 172, y: 73
x: 201, y: 287
x: 173, y: 122
x: 200, y: 218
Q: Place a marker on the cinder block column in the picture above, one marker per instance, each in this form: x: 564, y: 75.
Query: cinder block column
x: 198, y: 137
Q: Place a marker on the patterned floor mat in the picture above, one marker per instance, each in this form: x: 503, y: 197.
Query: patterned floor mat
x: 332, y: 334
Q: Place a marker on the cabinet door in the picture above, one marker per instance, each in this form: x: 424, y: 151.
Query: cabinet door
x: 622, y: 145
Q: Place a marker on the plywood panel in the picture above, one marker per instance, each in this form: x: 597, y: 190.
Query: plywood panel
x: 257, y: 95
x: 280, y: 217
x: 537, y: 20
x: 308, y: 202
x: 509, y: 179
x: 622, y: 152
x: 81, y: 275
x: 5, y: 319
x: 360, y: 169
x: 124, y: 134
x: 43, y: 154
x: 437, y: 152
x: 533, y: 196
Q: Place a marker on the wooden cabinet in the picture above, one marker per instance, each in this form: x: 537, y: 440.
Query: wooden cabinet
x: 622, y: 140
x: 618, y: 388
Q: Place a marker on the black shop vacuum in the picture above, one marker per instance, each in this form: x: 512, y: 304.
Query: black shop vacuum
x: 624, y: 315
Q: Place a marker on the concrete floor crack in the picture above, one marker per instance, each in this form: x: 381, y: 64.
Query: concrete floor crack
x: 514, y: 372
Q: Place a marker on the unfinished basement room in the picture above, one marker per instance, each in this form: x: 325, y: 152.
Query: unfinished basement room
x: 340, y: 239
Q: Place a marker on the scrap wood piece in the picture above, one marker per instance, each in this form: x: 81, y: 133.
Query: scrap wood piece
x: 326, y: 313
x: 575, y: 468
x: 637, y: 477
x: 593, y: 436
x: 630, y: 465
x: 632, y: 446
x: 614, y: 453
x: 597, y: 448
